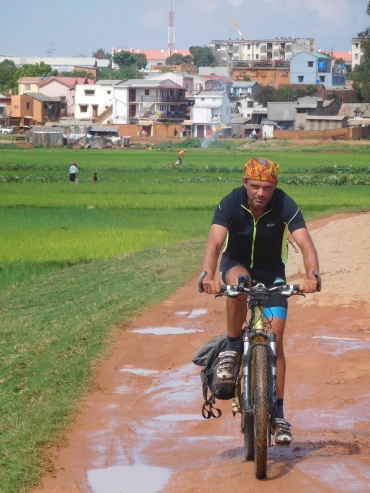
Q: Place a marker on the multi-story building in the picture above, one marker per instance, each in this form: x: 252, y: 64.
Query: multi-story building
x: 262, y: 49
x: 356, y: 52
x: 316, y: 68
x: 143, y: 102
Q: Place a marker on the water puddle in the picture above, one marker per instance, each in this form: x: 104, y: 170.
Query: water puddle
x: 339, y: 345
x: 193, y: 313
x: 331, y: 338
x: 136, y: 479
x: 197, y: 313
x: 179, y: 417
x: 346, y: 474
x: 161, y: 331
x: 138, y: 371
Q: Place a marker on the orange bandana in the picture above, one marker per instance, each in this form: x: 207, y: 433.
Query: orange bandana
x: 259, y: 168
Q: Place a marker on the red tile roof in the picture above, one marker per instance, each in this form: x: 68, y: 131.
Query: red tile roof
x: 29, y: 80
x: 67, y: 81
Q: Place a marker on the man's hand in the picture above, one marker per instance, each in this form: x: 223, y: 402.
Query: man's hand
x: 308, y: 285
x: 211, y: 286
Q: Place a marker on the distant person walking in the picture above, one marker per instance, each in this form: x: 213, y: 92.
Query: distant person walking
x: 95, y: 177
x: 254, y: 134
x: 180, y: 157
x: 73, y: 173
x: 175, y: 132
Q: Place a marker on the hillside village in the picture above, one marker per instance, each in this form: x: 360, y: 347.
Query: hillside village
x: 186, y: 100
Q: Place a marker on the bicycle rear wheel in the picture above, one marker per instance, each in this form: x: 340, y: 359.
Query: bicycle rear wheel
x: 261, y: 410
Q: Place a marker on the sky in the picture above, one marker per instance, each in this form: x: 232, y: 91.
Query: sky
x: 80, y: 27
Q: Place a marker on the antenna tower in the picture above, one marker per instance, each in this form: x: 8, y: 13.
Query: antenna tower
x: 171, y: 28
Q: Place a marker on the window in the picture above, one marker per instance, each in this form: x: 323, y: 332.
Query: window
x: 83, y: 108
x: 322, y: 78
x: 257, y: 57
x: 257, y: 45
x: 356, y: 45
x: 248, y: 47
x: 89, y: 93
x: 146, y: 92
x: 300, y: 78
x: 269, y: 46
x: 202, y: 99
x: 218, y: 47
x: 28, y: 87
x: 109, y: 92
x: 356, y: 56
x: 27, y: 106
x: 310, y: 64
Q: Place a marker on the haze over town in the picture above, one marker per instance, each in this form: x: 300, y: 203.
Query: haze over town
x: 69, y: 28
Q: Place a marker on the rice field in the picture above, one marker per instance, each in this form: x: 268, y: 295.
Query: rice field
x: 141, y: 200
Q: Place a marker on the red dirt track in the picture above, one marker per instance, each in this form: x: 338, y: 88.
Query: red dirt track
x: 141, y: 430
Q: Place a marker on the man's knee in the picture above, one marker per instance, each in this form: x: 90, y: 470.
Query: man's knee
x: 232, y: 275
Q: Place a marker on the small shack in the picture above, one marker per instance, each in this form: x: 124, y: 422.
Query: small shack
x: 45, y: 136
x: 105, y: 131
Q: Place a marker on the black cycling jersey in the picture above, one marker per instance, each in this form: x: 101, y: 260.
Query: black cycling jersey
x: 261, y: 243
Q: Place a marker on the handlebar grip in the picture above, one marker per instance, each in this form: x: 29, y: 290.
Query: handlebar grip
x: 318, y: 279
x: 200, y: 281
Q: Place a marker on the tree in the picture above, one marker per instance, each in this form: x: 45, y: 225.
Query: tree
x: 266, y: 94
x: 137, y: 61
x: 35, y: 70
x: 7, y: 71
x: 77, y: 74
x: 101, y: 54
x: 141, y: 61
x: 178, y: 59
x: 203, y: 56
x: 361, y: 73
x: 123, y: 73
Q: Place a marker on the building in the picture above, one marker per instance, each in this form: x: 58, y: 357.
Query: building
x: 209, y: 109
x: 316, y: 68
x: 228, y: 51
x: 144, y: 101
x: 265, y: 72
x: 5, y: 108
x: 325, y: 122
x: 241, y: 88
x: 28, y: 84
x: 356, y: 51
x: 283, y: 113
x: 94, y: 101
x: 62, y: 64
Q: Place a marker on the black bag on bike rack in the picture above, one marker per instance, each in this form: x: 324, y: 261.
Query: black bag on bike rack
x: 207, y: 357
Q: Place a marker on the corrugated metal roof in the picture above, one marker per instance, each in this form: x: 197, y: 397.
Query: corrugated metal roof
x: 149, y: 83
x: 108, y: 82
x: 43, y: 98
x: 103, y: 128
x: 334, y: 118
x: 349, y: 109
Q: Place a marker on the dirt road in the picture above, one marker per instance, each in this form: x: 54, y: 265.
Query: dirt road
x: 141, y: 430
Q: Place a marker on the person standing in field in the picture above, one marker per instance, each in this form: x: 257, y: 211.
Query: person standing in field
x: 95, y: 177
x: 180, y: 156
x: 73, y: 173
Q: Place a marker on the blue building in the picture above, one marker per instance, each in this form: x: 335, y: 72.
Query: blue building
x: 316, y: 68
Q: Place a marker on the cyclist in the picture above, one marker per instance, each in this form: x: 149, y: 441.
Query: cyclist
x: 252, y: 223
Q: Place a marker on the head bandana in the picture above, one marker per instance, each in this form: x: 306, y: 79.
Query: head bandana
x: 262, y: 169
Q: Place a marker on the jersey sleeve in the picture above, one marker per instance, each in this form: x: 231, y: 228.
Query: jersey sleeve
x: 226, y: 210
x: 292, y: 215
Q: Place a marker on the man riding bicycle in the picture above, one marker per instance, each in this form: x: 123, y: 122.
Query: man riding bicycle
x: 252, y: 223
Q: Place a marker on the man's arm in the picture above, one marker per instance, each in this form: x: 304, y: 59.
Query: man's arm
x: 311, y: 262
x: 216, y: 239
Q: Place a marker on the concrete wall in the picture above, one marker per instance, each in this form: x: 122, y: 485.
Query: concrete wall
x: 311, y: 75
x: 264, y: 76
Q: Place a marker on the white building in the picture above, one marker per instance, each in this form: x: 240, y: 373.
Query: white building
x: 62, y: 64
x: 356, y: 52
x: 144, y: 101
x: 94, y: 101
x: 211, y: 112
x: 227, y: 51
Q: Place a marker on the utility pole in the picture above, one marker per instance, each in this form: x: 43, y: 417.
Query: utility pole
x: 171, y: 28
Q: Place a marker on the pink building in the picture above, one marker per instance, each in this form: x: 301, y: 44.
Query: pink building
x: 63, y: 87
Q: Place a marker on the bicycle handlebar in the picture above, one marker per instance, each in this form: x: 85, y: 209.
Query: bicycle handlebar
x: 260, y: 291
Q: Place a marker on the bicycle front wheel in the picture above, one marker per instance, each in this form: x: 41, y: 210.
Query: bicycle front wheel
x: 261, y: 410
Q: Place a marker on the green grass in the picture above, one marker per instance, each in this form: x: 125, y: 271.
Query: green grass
x: 53, y: 330
x: 74, y: 260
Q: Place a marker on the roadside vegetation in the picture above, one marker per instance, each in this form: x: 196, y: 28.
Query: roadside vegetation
x: 75, y: 259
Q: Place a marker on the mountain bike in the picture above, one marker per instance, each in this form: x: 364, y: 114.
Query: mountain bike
x: 256, y: 385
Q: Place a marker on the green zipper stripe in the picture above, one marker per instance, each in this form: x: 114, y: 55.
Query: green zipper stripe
x: 254, y: 232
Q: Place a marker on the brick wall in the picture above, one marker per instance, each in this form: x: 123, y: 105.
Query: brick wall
x: 337, y: 133
x: 158, y: 130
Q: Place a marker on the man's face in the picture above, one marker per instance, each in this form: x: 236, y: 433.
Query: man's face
x: 259, y: 192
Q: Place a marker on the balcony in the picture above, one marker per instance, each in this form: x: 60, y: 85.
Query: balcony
x: 161, y: 115
x: 161, y: 99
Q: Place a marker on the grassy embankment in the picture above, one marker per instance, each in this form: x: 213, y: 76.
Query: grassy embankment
x: 57, y: 324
